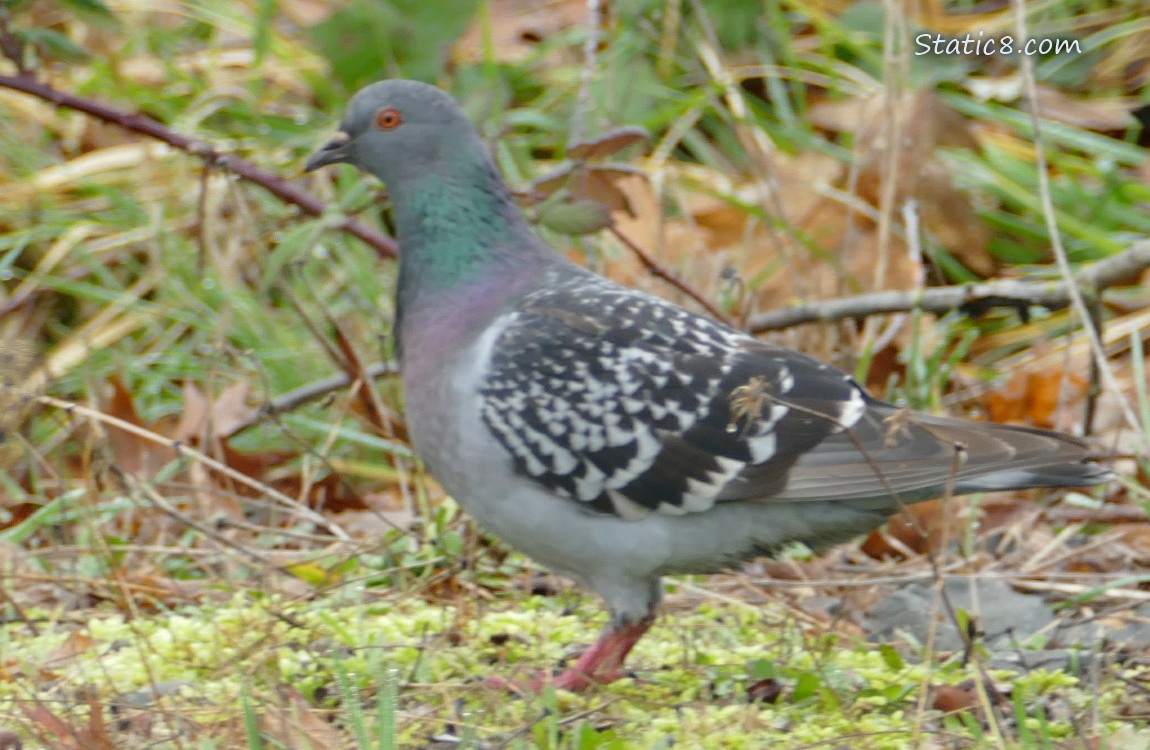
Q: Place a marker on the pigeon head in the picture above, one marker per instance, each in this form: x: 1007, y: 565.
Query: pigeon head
x: 463, y: 240
x: 398, y: 130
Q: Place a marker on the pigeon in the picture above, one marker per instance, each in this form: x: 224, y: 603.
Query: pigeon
x: 611, y: 435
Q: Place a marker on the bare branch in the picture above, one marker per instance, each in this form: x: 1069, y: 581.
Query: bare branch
x: 137, y: 123
x: 310, y: 392
x: 943, y: 299
x: 657, y: 270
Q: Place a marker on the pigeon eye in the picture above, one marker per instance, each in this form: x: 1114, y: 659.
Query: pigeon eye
x: 388, y: 118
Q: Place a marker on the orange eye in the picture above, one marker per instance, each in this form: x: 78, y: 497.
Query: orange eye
x: 388, y: 119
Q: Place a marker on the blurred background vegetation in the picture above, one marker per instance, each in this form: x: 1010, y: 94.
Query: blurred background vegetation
x: 763, y: 155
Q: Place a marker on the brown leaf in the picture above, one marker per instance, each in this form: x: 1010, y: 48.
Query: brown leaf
x: 371, y: 407
x: 202, y: 420
x: 642, y: 224
x: 918, y: 528
x: 52, y: 724
x: 1033, y: 397
x: 764, y: 691
x: 297, y: 725
x: 1098, y: 113
x: 132, y: 453
x: 997, y: 510
x: 306, y: 12
x: 1045, y: 393
x: 255, y: 464
x: 67, y: 737
x: 883, y: 365
x: 926, y: 123
x: 952, y: 698
x: 597, y: 182
x: 611, y: 142
x: 1137, y: 538
x: 951, y: 218
x: 75, y: 645
x: 371, y: 525
x: 512, y: 30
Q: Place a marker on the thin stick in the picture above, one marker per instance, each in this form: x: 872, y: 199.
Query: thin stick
x: 184, y: 451
x: 587, y: 74
x: 943, y: 299
x: 307, y: 393
x: 656, y: 270
x: 1077, y: 300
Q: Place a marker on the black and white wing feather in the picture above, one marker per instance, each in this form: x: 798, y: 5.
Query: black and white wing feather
x: 629, y: 404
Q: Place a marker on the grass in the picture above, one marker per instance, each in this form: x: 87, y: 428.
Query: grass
x: 147, y: 599
x: 358, y: 643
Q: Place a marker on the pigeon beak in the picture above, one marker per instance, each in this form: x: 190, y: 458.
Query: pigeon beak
x: 332, y: 152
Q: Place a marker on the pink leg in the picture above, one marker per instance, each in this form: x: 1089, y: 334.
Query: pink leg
x: 599, y: 665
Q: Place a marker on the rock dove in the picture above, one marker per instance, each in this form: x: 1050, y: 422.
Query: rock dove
x: 613, y: 436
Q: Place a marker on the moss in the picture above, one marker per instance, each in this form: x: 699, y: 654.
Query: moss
x: 692, y: 669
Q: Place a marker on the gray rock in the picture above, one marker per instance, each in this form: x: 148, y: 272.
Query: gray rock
x: 1077, y: 662
x: 1134, y: 634
x: 1004, y: 617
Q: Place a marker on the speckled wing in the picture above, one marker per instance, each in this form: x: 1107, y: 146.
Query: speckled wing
x: 628, y: 404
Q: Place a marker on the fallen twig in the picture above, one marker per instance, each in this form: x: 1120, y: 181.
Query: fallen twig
x: 943, y: 299
x: 183, y: 450
x: 308, y: 393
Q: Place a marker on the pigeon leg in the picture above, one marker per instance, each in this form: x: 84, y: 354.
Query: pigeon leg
x: 599, y: 665
x: 603, y: 662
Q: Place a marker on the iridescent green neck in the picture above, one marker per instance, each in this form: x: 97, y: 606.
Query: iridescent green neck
x: 456, y: 227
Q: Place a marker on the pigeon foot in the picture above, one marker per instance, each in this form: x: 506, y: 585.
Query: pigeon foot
x: 601, y: 664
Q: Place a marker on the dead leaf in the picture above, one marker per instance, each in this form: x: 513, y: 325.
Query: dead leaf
x: 596, y: 182
x: 67, y: 737
x: 75, y: 645
x: 953, y: 698
x: 297, y: 725
x: 917, y: 528
x: 220, y: 418
x: 132, y: 453
x: 1033, y: 398
x: 611, y: 142
x: 1098, y: 113
x: 373, y: 524
x: 513, y: 29
x: 764, y: 691
x: 307, y: 13
x: 1136, y: 537
x: 925, y: 124
x: 368, y: 403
